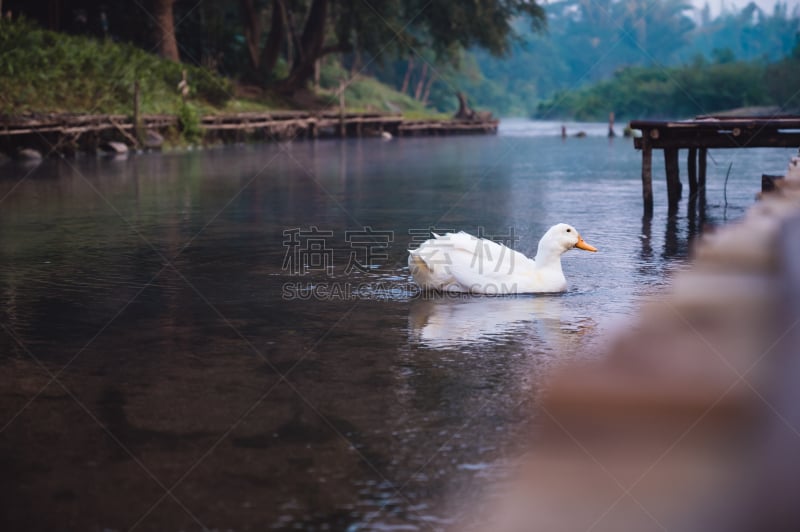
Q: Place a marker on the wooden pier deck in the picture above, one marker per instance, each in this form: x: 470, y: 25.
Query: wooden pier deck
x: 67, y: 133
x: 698, y: 136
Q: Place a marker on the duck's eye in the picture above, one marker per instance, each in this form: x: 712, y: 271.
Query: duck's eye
x: 569, y: 230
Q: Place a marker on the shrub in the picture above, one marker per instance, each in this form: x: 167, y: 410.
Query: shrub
x: 42, y: 70
x: 189, y: 122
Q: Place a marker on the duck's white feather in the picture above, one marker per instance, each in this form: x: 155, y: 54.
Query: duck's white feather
x: 460, y: 262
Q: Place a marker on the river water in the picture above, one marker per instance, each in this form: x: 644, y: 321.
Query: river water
x: 230, y: 339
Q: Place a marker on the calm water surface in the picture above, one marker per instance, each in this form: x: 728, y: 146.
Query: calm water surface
x: 155, y: 336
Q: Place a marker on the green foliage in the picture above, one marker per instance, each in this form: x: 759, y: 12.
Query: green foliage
x: 749, y: 34
x: 590, y: 42
x: 441, y: 27
x: 189, y: 122
x: 782, y: 80
x: 363, y: 93
x: 587, y: 41
x: 679, y: 92
x: 46, y: 71
x: 444, y: 78
x: 370, y: 94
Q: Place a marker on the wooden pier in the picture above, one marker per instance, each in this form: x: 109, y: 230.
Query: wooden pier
x: 697, y: 136
x: 66, y: 133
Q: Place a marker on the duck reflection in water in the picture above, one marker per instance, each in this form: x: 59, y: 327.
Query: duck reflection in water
x: 447, y: 321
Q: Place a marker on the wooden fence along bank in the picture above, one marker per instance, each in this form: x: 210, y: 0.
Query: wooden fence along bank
x: 66, y: 134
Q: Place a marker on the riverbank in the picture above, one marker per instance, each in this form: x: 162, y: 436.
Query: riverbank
x: 34, y: 136
x: 61, y: 94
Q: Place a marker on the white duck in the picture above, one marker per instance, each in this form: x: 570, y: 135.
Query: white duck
x: 460, y: 262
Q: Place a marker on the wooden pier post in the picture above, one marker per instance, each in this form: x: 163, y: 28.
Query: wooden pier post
x: 701, y: 177
x: 647, y: 176
x: 691, y: 166
x: 673, y: 179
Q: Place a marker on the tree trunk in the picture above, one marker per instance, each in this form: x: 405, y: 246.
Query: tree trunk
x: 314, y: 31
x: 407, y: 77
x: 54, y: 9
x: 292, y: 42
x: 277, y: 34
x: 427, y: 92
x: 355, y: 68
x: 165, y: 29
x: 421, y: 82
x: 464, y: 112
x: 310, y: 48
x: 252, y: 31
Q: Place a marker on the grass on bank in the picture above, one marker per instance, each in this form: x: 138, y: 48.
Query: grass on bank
x: 44, y: 71
x: 362, y: 93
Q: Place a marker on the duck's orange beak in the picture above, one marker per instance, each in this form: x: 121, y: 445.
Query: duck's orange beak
x: 583, y: 245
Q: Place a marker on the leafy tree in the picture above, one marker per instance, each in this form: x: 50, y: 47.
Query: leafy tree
x: 668, y: 93
x: 391, y: 26
x: 298, y: 33
x: 590, y: 41
x: 783, y: 80
x: 302, y: 32
x: 750, y: 33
